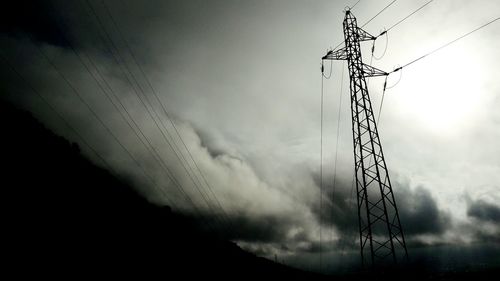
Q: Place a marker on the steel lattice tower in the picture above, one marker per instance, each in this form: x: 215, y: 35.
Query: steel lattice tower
x: 381, y: 236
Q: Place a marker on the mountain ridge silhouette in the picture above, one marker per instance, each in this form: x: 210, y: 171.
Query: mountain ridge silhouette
x: 68, y: 217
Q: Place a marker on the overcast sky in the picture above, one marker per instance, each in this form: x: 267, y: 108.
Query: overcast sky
x: 241, y: 81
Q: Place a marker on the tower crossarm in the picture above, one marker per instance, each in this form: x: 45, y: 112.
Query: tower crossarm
x: 339, y: 54
x: 370, y: 71
x: 364, y: 36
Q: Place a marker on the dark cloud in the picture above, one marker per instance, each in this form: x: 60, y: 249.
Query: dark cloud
x: 338, y: 207
x: 37, y: 19
x: 264, y: 235
x: 484, y: 211
x: 244, y: 226
x: 419, y: 212
x: 488, y: 237
x: 263, y: 228
x: 485, y: 221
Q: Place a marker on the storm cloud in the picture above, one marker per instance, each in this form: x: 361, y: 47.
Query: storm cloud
x: 36, y: 19
x: 484, y: 211
x: 485, y: 220
x: 419, y: 212
x: 240, y: 81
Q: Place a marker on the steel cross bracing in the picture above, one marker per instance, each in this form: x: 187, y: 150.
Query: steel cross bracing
x: 381, y: 236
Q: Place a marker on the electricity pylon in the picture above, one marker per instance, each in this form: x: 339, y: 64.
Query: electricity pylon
x: 381, y: 236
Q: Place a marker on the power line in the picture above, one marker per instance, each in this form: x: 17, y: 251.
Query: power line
x: 162, y: 162
x: 93, y: 113
x: 394, y: 25
x: 338, y: 45
x: 59, y: 115
x: 337, y: 145
x: 67, y: 124
x: 96, y: 116
x: 321, y: 177
x: 435, y: 50
x: 77, y: 93
x: 151, y: 149
x: 338, y: 135
x: 378, y: 13
x: 431, y: 52
x: 164, y: 108
x: 446, y: 45
x: 385, y: 49
x: 171, y: 122
x: 127, y: 70
x: 148, y: 106
x: 168, y: 117
x: 411, y: 14
x: 355, y: 4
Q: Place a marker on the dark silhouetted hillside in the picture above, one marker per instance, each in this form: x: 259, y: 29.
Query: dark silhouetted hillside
x: 65, y: 216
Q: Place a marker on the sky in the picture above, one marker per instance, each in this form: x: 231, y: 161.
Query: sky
x: 240, y: 83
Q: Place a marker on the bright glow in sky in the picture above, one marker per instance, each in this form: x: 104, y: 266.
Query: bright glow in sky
x: 444, y: 92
